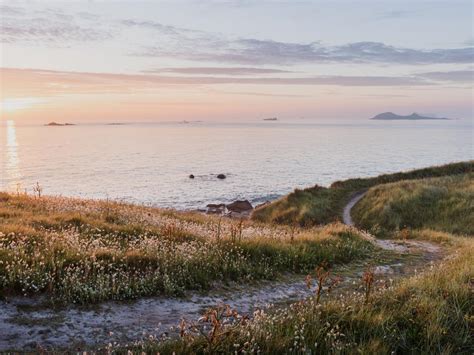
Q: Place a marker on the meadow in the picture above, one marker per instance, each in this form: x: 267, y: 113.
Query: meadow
x: 90, y: 251
x: 85, y: 251
x: 431, y: 312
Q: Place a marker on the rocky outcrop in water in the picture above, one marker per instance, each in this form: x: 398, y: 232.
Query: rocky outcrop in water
x: 240, y: 206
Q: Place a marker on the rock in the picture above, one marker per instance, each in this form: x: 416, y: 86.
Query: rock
x: 221, y: 176
x: 214, y: 208
x: 240, y: 206
x: 191, y: 176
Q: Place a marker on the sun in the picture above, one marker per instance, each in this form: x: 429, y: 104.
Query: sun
x: 15, y: 104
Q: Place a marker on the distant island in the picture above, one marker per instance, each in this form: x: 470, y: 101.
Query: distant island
x: 389, y: 116
x: 271, y: 119
x: 59, y: 124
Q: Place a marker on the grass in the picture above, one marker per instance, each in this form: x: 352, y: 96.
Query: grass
x: 430, y: 313
x: 85, y: 251
x: 441, y: 204
x: 321, y: 205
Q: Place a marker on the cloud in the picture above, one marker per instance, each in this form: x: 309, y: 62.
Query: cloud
x: 237, y: 71
x: 17, y: 82
x: 182, y: 43
x: 394, y: 14
x: 458, y: 76
x: 259, y: 52
x: 55, y: 27
x: 49, y: 26
x: 264, y: 94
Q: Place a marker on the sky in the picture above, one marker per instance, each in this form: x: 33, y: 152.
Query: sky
x: 103, y: 61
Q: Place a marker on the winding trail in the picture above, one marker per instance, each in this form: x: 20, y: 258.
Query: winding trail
x: 26, y: 324
x: 400, y: 246
x: 346, y: 214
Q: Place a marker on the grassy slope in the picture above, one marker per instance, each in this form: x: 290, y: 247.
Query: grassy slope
x: 88, y: 251
x: 430, y: 313
x: 320, y: 205
x: 443, y: 204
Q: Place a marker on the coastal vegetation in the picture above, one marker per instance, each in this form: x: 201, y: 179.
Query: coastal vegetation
x: 86, y: 251
x: 442, y: 204
x: 320, y: 205
x: 430, y: 312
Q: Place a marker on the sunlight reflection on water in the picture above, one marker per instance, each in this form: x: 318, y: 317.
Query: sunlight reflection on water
x: 12, y: 169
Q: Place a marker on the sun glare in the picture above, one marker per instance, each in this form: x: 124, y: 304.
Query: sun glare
x: 11, y: 105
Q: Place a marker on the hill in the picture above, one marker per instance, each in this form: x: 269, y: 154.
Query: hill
x: 321, y: 205
x: 390, y: 116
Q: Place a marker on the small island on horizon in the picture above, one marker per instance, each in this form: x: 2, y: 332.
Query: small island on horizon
x: 55, y: 124
x: 390, y: 116
x: 271, y: 119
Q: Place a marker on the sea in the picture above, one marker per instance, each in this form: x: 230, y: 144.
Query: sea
x: 150, y: 163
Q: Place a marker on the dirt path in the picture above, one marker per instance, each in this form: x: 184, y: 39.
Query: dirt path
x: 26, y: 324
x: 346, y: 214
x: 405, y: 246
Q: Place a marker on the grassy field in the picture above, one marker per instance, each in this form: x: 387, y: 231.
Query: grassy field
x: 87, y: 251
x: 321, y: 205
x: 443, y: 204
x: 430, y: 313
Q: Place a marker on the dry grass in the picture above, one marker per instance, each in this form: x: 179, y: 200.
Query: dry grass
x: 430, y: 313
x: 441, y: 204
x: 88, y: 251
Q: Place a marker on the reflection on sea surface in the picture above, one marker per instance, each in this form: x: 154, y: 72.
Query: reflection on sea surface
x: 11, y: 164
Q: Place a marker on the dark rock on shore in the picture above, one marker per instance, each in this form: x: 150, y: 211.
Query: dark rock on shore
x: 240, y: 206
x: 214, y: 208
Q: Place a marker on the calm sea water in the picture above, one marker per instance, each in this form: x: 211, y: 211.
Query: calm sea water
x: 150, y: 163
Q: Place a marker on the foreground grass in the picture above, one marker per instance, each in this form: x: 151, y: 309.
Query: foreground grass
x: 430, y: 313
x: 442, y: 204
x: 89, y: 251
x: 320, y: 205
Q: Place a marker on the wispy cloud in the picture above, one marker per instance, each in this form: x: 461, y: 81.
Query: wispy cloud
x: 394, y: 14
x: 58, y: 28
x: 49, y: 26
x: 250, y: 51
x: 46, y: 82
x: 459, y: 76
x: 237, y: 71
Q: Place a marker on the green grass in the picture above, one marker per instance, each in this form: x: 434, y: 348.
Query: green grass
x: 86, y: 251
x: 442, y: 204
x: 321, y: 205
x: 431, y: 313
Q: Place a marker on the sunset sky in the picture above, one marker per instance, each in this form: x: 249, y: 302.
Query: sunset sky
x: 94, y: 61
